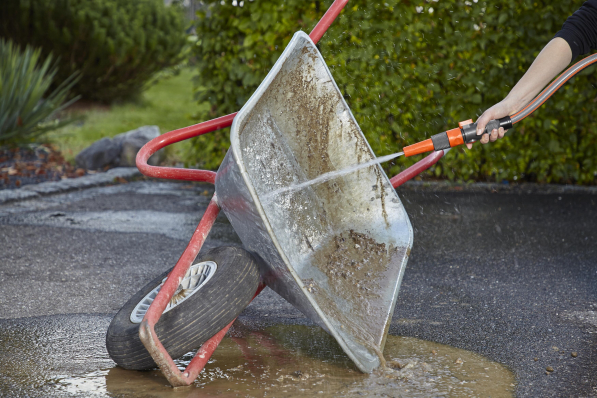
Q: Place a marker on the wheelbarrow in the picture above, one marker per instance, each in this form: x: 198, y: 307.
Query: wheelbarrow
x: 336, y: 250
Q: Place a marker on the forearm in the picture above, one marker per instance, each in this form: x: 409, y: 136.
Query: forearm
x: 577, y: 36
x: 554, y: 57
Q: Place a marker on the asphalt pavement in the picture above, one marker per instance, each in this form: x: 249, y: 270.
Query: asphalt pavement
x: 507, y: 273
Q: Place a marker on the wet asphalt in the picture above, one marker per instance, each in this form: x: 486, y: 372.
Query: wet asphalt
x: 511, y: 275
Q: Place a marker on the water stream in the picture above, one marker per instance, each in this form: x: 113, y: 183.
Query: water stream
x: 329, y: 176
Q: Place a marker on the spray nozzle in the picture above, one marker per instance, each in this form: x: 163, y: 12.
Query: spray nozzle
x: 465, y: 133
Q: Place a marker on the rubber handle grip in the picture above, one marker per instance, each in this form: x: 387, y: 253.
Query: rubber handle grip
x: 469, y: 132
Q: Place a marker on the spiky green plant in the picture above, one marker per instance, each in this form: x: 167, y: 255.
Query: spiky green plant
x: 25, y: 106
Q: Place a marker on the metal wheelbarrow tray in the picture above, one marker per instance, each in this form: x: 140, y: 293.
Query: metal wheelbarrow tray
x: 335, y: 250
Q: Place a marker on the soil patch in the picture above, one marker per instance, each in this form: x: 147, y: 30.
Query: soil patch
x: 24, y: 166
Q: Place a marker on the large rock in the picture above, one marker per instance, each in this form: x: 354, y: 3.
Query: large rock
x: 120, y: 150
x: 98, y: 155
x: 132, y: 141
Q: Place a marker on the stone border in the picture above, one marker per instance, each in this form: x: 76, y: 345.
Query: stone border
x: 69, y: 184
x: 523, y: 188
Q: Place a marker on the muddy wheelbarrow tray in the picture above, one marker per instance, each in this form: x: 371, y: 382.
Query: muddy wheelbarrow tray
x: 335, y: 250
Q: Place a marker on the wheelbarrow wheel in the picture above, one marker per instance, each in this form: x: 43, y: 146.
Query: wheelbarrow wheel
x: 213, y: 293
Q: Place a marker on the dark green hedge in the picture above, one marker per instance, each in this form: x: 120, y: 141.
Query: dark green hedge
x: 116, y: 45
x: 409, y: 70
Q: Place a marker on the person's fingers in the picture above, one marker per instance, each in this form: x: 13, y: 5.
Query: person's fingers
x: 501, y: 132
x: 484, y: 139
x: 482, y: 121
x: 493, y: 135
x: 469, y: 146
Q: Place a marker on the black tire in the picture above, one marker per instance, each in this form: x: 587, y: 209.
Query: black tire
x: 196, y: 319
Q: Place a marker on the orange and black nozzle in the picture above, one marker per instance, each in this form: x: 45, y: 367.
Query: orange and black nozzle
x: 465, y: 133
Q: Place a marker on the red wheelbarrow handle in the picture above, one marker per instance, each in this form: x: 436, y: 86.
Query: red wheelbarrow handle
x: 147, y: 328
x: 417, y: 168
x: 174, y: 173
x: 327, y: 19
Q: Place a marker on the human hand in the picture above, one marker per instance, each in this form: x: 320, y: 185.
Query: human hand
x: 497, y: 111
x: 554, y: 57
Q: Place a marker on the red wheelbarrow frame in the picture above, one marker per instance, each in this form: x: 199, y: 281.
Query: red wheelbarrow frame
x: 146, y: 329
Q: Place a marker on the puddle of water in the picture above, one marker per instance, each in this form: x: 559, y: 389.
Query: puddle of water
x: 293, y: 361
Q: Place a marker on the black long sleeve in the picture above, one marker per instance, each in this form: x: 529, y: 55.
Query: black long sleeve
x: 580, y: 29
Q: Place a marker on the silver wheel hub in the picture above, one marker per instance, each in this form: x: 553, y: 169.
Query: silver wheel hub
x: 196, y: 277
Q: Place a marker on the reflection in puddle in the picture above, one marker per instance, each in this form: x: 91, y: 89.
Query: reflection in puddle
x: 292, y: 361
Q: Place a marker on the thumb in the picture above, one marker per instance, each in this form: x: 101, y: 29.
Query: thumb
x: 482, y: 122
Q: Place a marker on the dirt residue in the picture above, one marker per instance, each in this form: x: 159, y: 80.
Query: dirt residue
x: 311, y: 119
x: 310, y: 116
x: 354, y: 264
x: 300, y: 129
x: 382, y: 196
x: 355, y: 261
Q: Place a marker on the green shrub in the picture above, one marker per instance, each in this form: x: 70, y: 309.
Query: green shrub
x: 409, y: 70
x: 117, y: 45
x: 24, y: 105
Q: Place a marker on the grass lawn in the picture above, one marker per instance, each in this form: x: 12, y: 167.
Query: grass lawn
x: 168, y: 104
